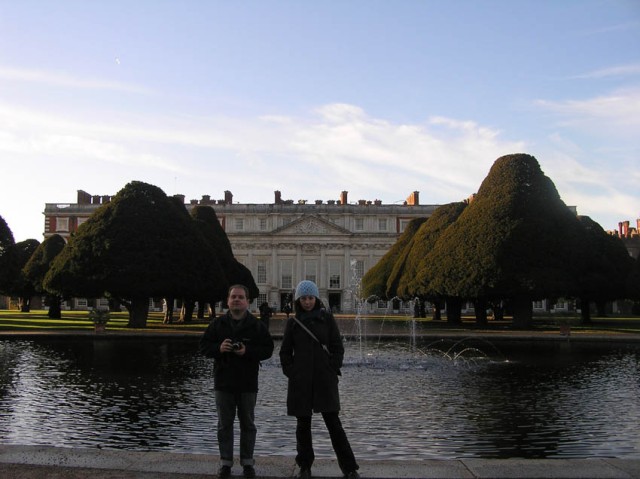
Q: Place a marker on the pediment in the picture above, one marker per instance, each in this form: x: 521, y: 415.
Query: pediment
x: 311, y: 225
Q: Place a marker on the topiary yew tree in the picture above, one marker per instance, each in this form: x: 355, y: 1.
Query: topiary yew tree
x: 20, y: 285
x: 140, y: 245
x: 410, y: 277
x: 607, y: 268
x: 236, y: 272
x: 37, y: 267
x: 516, y: 240
x: 374, y: 282
x: 206, y: 221
x: 6, y: 243
x: 633, y: 286
x: 7, y: 272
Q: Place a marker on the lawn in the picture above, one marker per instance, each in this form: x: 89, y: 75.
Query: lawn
x: 12, y: 320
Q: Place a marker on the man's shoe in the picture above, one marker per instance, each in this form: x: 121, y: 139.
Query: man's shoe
x: 249, y: 472
x: 224, y: 472
x: 305, y: 473
x: 352, y: 475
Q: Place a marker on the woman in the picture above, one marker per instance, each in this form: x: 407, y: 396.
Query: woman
x: 311, y: 357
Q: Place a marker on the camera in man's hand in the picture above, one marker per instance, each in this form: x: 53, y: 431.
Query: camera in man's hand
x: 236, y: 346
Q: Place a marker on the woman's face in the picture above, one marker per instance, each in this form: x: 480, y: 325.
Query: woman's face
x: 307, y: 302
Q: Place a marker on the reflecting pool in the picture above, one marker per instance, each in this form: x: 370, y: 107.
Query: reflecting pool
x: 426, y: 401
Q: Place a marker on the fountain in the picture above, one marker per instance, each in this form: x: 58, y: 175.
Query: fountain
x: 456, y: 352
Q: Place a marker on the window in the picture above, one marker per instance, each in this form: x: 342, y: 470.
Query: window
x: 81, y: 303
x: 311, y: 270
x: 286, y: 274
x: 62, y: 224
x: 262, y: 298
x: 334, y: 274
x: 263, y: 224
x: 81, y: 220
x: 359, y: 224
x: 382, y: 224
x: 262, y: 272
x: 239, y: 224
x: 358, y: 269
x: 561, y: 305
x: 403, y: 225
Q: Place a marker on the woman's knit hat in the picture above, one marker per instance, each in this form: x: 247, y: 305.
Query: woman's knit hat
x: 306, y: 288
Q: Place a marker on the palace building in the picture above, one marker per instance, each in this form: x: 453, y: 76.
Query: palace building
x: 333, y: 243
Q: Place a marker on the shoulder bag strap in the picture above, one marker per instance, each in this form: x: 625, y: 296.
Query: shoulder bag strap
x: 324, y: 346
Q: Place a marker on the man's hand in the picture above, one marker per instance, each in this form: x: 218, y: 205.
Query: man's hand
x: 226, y: 346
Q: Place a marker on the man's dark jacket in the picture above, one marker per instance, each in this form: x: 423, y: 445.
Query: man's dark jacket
x: 235, y: 373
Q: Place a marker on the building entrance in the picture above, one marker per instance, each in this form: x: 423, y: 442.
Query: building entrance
x: 286, y: 302
x: 335, y: 300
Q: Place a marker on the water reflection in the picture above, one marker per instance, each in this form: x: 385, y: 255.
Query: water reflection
x: 423, y: 401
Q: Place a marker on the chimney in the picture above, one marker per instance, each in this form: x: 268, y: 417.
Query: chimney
x: 228, y: 197
x: 84, y: 198
x: 624, y: 229
x: 179, y: 198
x: 413, y: 199
x: 278, y: 199
x: 206, y: 200
x: 343, y: 197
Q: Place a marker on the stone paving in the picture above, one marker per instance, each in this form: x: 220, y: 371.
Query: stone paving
x: 36, y: 462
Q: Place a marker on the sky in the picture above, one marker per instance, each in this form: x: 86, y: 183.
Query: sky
x: 379, y: 98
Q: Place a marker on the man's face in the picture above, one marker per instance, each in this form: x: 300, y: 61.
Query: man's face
x: 237, y: 301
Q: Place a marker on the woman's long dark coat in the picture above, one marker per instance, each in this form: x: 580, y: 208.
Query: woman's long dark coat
x: 312, y: 372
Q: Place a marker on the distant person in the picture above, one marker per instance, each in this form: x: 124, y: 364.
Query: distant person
x: 287, y: 308
x: 238, y: 341
x: 311, y: 357
x: 265, y: 313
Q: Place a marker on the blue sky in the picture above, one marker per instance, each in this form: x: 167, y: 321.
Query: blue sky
x: 378, y: 98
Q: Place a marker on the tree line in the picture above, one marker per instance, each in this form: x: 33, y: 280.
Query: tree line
x: 142, y: 244
x: 513, y: 243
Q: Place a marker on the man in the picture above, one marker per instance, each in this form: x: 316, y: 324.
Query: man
x: 237, y: 341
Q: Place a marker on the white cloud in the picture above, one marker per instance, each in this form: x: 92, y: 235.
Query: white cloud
x: 616, y: 71
x: 65, y: 80
x: 453, y: 158
x: 620, y: 27
x: 617, y: 113
x: 598, y: 187
x: 336, y: 147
